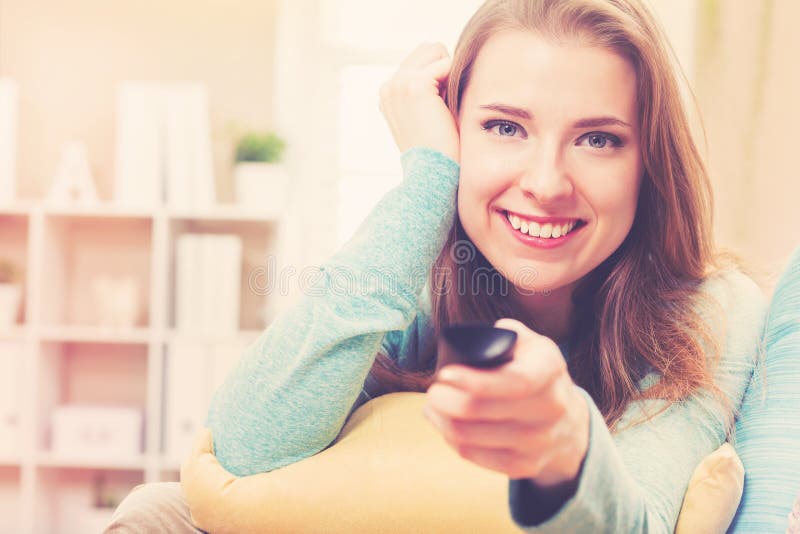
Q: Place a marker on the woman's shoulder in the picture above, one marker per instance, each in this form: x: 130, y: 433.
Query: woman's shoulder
x: 742, y: 307
x: 735, y: 292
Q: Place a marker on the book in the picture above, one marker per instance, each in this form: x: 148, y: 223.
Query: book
x: 188, y: 276
x: 138, y: 169
x: 163, y: 145
x: 208, y: 282
x: 189, y: 171
x: 222, y: 282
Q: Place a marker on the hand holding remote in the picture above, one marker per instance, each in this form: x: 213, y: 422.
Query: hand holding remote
x: 507, y: 402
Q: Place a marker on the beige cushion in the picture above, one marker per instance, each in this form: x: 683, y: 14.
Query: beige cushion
x: 390, y: 471
x: 713, y: 494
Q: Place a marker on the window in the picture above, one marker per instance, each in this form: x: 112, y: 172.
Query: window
x: 382, y: 33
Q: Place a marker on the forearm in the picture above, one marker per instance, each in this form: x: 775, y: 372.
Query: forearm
x: 290, y: 394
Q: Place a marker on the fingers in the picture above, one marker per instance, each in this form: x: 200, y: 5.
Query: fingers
x: 460, y: 404
x: 503, y: 382
x: 412, y: 102
x: 439, y: 69
x: 517, y: 326
x: 526, y: 375
x: 492, y: 434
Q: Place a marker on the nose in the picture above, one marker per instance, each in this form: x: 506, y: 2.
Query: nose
x: 545, y: 177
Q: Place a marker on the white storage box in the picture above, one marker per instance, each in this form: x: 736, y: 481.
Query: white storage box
x: 97, y: 431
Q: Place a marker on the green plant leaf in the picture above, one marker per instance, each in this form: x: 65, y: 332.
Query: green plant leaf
x: 262, y: 147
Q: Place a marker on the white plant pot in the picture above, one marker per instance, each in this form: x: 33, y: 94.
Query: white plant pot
x: 10, y: 297
x: 262, y: 187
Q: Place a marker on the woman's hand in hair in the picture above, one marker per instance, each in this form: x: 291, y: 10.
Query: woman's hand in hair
x: 412, y: 102
x: 526, y: 418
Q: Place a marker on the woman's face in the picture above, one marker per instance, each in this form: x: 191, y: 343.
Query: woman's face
x: 549, y: 146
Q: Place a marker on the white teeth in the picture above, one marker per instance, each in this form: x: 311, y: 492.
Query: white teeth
x: 535, y: 229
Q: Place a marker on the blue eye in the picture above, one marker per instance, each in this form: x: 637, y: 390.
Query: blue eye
x: 505, y: 126
x: 599, y: 140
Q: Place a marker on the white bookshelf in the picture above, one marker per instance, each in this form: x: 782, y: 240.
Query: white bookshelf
x: 65, y: 355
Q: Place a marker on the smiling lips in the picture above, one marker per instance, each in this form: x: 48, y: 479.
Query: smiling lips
x: 543, y: 227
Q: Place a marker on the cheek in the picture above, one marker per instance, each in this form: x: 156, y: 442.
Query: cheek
x: 480, y: 182
x: 613, y: 194
x: 484, y: 172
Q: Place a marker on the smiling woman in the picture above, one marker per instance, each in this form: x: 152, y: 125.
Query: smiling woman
x: 555, y: 167
x: 578, y: 165
x: 549, y: 163
x: 569, y: 114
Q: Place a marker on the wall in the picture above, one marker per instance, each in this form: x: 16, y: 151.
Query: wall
x: 68, y: 58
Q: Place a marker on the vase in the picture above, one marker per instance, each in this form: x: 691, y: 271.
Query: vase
x: 262, y: 187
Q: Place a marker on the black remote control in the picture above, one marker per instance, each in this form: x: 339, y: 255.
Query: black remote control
x: 476, y: 345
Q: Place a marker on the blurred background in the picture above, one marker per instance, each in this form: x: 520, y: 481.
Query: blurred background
x: 168, y: 168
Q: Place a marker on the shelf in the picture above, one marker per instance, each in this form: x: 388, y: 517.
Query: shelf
x: 19, y: 208
x: 76, y: 348
x: 8, y: 460
x: 103, y: 210
x: 238, y: 338
x: 221, y: 212
x: 257, y: 243
x: 74, y: 374
x: 97, y: 334
x: 49, y: 459
x: 229, y: 213
x: 95, y: 272
x: 127, y: 336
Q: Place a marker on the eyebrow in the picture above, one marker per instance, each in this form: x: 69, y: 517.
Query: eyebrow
x: 590, y: 122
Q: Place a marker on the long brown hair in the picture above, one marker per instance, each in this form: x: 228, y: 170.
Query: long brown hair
x: 641, y: 310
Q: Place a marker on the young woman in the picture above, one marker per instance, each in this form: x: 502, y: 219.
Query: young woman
x: 551, y: 186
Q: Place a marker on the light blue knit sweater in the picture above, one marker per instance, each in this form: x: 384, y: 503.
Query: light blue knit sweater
x: 293, y: 389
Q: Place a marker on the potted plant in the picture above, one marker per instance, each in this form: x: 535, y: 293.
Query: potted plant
x: 262, y: 182
x: 10, y: 293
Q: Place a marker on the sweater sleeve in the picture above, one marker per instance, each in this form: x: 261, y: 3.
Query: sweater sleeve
x: 292, y: 390
x: 635, y: 480
x: 405, y: 347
